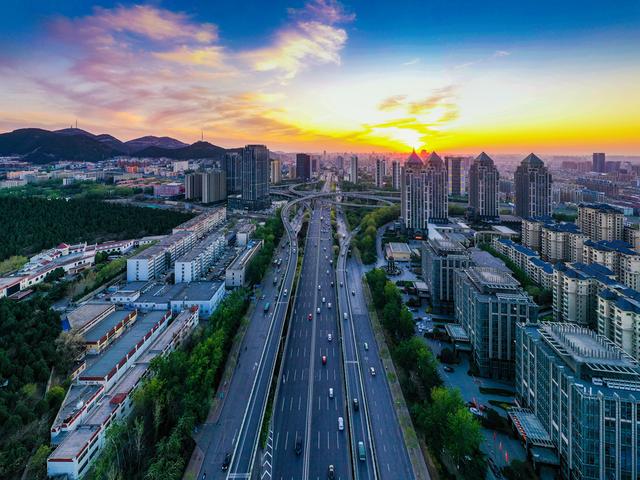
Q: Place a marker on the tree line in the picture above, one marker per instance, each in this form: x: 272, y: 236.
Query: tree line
x: 366, y: 239
x: 33, y: 224
x: 270, y: 232
x: 438, y: 413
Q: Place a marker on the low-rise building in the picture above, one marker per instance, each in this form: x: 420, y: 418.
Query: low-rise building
x: 235, y: 275
x: 585, y: 391
x: 399, y: 251
x: 619, y: 318
x: 488, y: 304
x: 617, y: 256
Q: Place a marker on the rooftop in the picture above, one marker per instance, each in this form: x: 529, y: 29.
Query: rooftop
x: 446, y: 245
x: 244, y: 256
x: 98, y: 331
x: 123, y: 345
x: 487, y: 278
x: 618, y: 246
x: 399, y: 247
x: 85, y: 314
x: 602, y: 207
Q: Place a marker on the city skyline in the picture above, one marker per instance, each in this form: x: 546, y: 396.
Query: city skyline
x: 323, y: 75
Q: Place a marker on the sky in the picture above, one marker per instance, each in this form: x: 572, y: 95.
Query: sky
x: 554, y: 77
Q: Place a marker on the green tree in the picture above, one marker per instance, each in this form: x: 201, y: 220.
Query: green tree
x: 462, y: 436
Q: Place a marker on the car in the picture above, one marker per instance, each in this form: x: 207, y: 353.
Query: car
x: 448, y: 369
x: 226, y: 462
x: 318, y: 310
x: 298, y: 446
x: 356, y: 405
x: 332, y: 472
x: 329, y: 337
x: 340, y: 423
x: 361, y: 452
x: 330, y: 392
x: 475, y: 411
x: 332, y: 284
x: 310, y: 316
x: 319, y: 287
x: 262, y: 297
x: 366, y: 346
x: 353, y: 292
x: 346, y: 317
x: 330, y: 262
x: 323, y: 299
x: 341, y: 284
x: 285, y: 292
x: 372, y: 371
x: 324, y: 359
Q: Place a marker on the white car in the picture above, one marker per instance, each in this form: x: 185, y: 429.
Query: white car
x: 318, y: 310
x: 329, y: 305
x: 340, y: 423
x: 329, y: 337
x: 323, y: 299
x: 366, y: 346
x: 319, y: 287
x: 373, y: 371
x: 330, y: 392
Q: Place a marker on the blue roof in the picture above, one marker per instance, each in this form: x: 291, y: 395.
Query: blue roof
x: 527, y: 251
x: 546, y: 266
x: 612, y: 246
x: 584, y: 271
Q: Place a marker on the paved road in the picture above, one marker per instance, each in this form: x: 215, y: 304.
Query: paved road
x: 257, y: 351
x: 304, y: 410
x: 391, y: 454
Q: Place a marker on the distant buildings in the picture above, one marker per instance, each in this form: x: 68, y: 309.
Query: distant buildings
x: 353, y: 169
x: 395, y: 175
x: 380, y: 172
x: 276, y: 174
x: 489, y: 303
x: 441, y: 257
x: 193, y: 186
x: 584, y: 391
x: 599, y: 162
x: 533, y: 188
x: 483, y: 188
x: 600, y: 221
x: 172, y: 189
x: 303, y: 167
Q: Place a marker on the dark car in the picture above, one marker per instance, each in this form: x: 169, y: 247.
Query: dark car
x: 226, y: 462
x: 448, y: 369
x: 332, y: 472
x: 356, y: 405
x: 298, y: 447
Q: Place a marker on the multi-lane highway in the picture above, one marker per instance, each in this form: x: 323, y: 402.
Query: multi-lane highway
x: 307, y: 439
x: 234, y: 430
x: 390, y: 453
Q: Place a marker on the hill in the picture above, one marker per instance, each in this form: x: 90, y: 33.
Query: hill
x: 105, y: 138
x: 196, y: 150
x: 43, y: 146
x: 141, y: 143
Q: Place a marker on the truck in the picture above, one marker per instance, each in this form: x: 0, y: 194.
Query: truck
x: 361, y: 452
x: 266, y: 307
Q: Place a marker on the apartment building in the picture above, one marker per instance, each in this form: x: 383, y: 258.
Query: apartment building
x: 600, y: 221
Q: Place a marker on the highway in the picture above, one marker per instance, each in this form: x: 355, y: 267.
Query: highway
x: 236, y: 427
x: 390, y: 453
x: 304, y: 411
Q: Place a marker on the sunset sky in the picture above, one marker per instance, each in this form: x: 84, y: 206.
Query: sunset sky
x: 454, y: 76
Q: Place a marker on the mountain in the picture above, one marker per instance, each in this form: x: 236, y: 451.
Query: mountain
x: 105, y: 138
x: 43, y: 146
x: 196, y: 150
x: 141, y: 143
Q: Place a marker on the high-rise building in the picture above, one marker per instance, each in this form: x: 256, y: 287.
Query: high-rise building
x: 581, y: 392
x: 457, y: 174
x: 483, y: 188
x: 193, y: 186
x: 533, y: 188
x: 380, y: 172
x: 437, y: 189
x: 600, y: 221
x: 315, y: 165
x: 414, y: 204
x: 303, y: 167
x: 395, y: 175
x: 489, y: 303
x: 276, y: 174
x: 214, y: 186
x: 599, y: 162
x: 233, y: 167
x: 441, y: 257
x: 340, y: 163
x: 255, y: 178
x: 618, y: 318
x: 353, y: 169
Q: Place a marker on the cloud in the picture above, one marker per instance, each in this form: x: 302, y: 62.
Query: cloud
x: 413, y: 61
x: 496, y: 54
x: 438, y: 98
x: 207, y: 56
x: 311, y: 38
x: 297, y: 48
x: 391, y: 103
x: 501, y: 53
x: 327, y: 11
